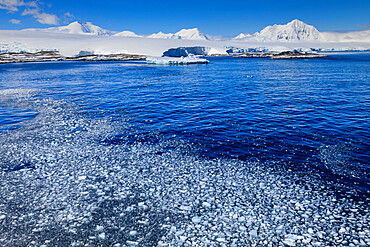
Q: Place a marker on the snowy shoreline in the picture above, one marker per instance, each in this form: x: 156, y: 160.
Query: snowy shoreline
x: 85, y: 39
x: 52, y: 56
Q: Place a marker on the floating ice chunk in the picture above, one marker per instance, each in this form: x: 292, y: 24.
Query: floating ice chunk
x: 99, y: 228
x: 241, y: 219
x: 2, y: 217
x: 289, y: 242
x: 206, y: 204
x: 183, y: 238
x: 185, y: 208
x: 253, y: 233
x: 143, y: 222
x: 132, y: 242
x: 242, y: 228
x: 196, y: 219
x: 178, y: 233
x: 142, y: 205
x: 221, y: 240
x: 133, y: 233
x: 102, y: 235
x: 176, y: 60
x: 290, y: 239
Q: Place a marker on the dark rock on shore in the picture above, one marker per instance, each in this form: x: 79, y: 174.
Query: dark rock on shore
x: 44, y: 56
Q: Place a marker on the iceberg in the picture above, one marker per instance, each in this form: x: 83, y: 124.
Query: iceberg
x: 191, y: 59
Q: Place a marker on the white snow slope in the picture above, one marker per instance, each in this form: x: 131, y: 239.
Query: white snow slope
x: 296, y: 31
x: 127, y: 34
x: 161, y: 35
x: 190, y: 34
x: 77, y: 28
x: 293, y: 31
x: 70, y: 40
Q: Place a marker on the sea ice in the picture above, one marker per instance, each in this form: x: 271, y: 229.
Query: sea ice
x: 196, y: 219
x: 176, y: 60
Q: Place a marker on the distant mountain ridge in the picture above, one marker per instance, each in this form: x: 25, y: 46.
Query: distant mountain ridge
x: 190, y: 34
x: 77, y: 27
x: 297, y: 31
x: 294, y: 31
x: 127, y: 34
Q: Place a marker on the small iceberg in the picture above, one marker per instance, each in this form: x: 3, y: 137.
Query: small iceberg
x: 191, y: 59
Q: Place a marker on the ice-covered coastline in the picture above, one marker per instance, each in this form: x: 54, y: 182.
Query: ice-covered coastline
x: 70, y: 45
x: 85, y: 39
x: 176, y: 61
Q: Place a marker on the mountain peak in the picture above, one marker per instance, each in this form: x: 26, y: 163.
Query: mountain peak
x: 79, y: 27
x: 295, y: 21
x: 127, y: 34
x: 295, y: 30
x: 192, y: 34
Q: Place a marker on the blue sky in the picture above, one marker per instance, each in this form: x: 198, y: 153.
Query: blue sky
x: 210, y: 16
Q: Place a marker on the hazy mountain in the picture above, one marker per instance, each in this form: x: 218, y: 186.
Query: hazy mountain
x: 77, y: 27
x: 127, y: 34
x: 190, y: 34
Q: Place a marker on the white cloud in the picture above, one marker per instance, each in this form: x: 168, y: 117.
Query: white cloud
x: 31, y: 9
x: 15, y: 21
x: 68, y: 17
x: 30, y: 12
x: 43, y: 18
x: 12, y: 5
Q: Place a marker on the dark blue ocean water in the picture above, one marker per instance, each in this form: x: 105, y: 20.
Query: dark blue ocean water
x: 237, y: 152
x: 310, y: 114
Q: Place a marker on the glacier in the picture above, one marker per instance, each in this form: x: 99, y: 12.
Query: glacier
x: 191, y: 59
x: 76, y: 37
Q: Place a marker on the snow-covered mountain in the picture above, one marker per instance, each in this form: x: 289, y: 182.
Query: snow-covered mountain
x: 77, y: 28
x: 161, y: 35
x: 243, y: 36
x: 128, y: 34
x: 293, y: 31
x: 189, y: 34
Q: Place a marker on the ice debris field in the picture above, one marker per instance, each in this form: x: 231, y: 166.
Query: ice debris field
x: 176, y: 60
x: 62, y: 184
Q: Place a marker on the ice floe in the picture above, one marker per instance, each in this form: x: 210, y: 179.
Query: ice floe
x: 176, y: 61
x: 156, y: 194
